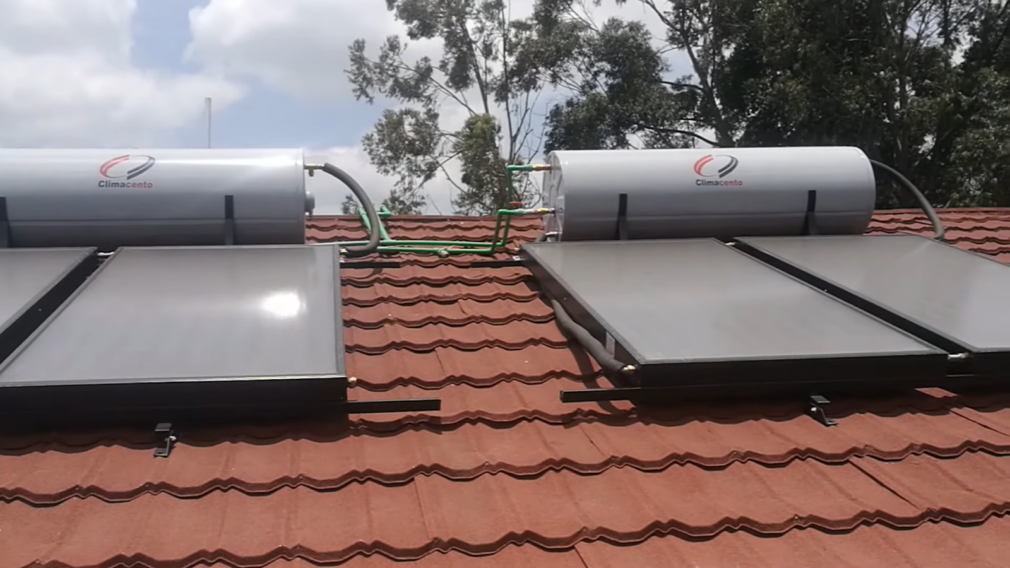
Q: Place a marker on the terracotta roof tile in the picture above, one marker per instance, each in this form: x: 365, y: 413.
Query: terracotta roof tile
x: 931, y: 545
x: 423, y: 339
x: 455, y: 313
x: 507, y: 475
x: 429, y: 513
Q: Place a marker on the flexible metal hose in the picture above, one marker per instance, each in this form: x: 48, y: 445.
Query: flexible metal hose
x: 938, y: 230
x: 373, y: 218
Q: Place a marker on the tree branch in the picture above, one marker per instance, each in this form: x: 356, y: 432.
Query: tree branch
x: 505, y: 67
x: 663, y: 130
x: 679, y: 85
x: 721, y: 127
x: 442, y: 88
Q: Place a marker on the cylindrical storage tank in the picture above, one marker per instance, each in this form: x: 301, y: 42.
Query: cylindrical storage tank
x: 148, y: 197
x: 685, y: 193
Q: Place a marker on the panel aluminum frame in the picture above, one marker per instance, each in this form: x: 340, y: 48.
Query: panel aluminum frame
x: 631, y: 295
x: 952, y: 298
x: 169, y: 333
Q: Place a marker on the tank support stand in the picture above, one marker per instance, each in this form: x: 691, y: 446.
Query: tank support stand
x: 5, y: 225
x: 229, y: 220
x: 810, y: 222
x: 622, y: 217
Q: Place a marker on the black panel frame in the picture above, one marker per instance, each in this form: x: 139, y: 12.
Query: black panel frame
x: 46, y: 404
x: 716, y: 378
x: 980, y: 362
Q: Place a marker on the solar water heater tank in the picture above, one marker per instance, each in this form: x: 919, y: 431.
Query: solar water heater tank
x: 684, y: 193
x: 150, y: 197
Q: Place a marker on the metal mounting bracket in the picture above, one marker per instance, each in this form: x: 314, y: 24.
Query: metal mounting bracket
x: 817, y: 412
x: 622, y: 217
x: 368, y: 264
x: 515, y: 261
x: 810, y: 219
x: 403, y: 405
x: 5, y: 224
x: 229, y: 220
x: 164, y: 449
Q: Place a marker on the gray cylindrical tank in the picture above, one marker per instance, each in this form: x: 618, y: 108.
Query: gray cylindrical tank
x: 683, y: 193
x: 124, y: 197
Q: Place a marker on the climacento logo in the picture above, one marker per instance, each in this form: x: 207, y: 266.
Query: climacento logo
x: 716, y: 166
x: 126, y: 168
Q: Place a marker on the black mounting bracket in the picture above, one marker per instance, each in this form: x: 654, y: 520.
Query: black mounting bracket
x: 622, y: 217
x: 815, y: 405
x: 515, y: 261
x: 380, y: 406
x: 229, y: 220
x: 817, y: 412
x: 5, y: 225
x: 368, y: 264
x: 810, y: 221
x: 164, y: 430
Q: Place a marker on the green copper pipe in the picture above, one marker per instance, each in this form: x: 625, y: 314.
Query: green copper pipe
x: 382, y: 227
x: 509, y: 171
x: 445, y: 248
x: 395, y: 242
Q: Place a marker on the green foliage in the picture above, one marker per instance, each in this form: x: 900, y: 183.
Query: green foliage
x: 349, y: 206
x: 878, y: 74
x: 882, y: 75
x: 484, y: 186
x: 478, y: 73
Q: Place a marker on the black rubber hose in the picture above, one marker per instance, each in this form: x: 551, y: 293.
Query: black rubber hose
x: 938, y: 230
x: 373, y: 217
x: 587, y: 341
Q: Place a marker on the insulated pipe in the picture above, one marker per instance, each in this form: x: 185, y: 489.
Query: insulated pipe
x: 373, y: 218
x: 938, y: 230
x: 588, y: 342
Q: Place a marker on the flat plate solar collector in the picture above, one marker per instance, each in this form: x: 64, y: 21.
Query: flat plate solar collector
x: 952, y: 298
x: 697, y: 313
x: 163, y: 330
x: 26, y: 275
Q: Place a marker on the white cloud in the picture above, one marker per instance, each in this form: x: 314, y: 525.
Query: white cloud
x: 296, y: 46
x: 301, y: 47
x: 329, y: 192
x: 66, y: 79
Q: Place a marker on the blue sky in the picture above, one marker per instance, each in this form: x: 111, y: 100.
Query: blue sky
x: 265, y: 117
x: 135, y: 73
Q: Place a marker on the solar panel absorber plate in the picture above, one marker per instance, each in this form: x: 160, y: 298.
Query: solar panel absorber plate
x: 699, y: 314
x: 33, y: 282
x: 952, y: 298
x: 174, y: 330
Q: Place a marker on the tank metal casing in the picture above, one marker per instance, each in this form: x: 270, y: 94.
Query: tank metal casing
x: 153, y: 197
x: 688, y: 193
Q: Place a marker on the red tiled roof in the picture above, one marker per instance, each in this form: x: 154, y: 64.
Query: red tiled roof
x: 506, y: 475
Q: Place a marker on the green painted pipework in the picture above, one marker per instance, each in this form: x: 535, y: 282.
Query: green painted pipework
x: 383, y: 212
x: 510, y: 170
x: 393, y: 242
x: 503, y: 222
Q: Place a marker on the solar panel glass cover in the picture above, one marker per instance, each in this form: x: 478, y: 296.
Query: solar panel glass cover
x: 699, y: 300
x: 26, y: 274
x: 957, y: 294
x: 157, y: 314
